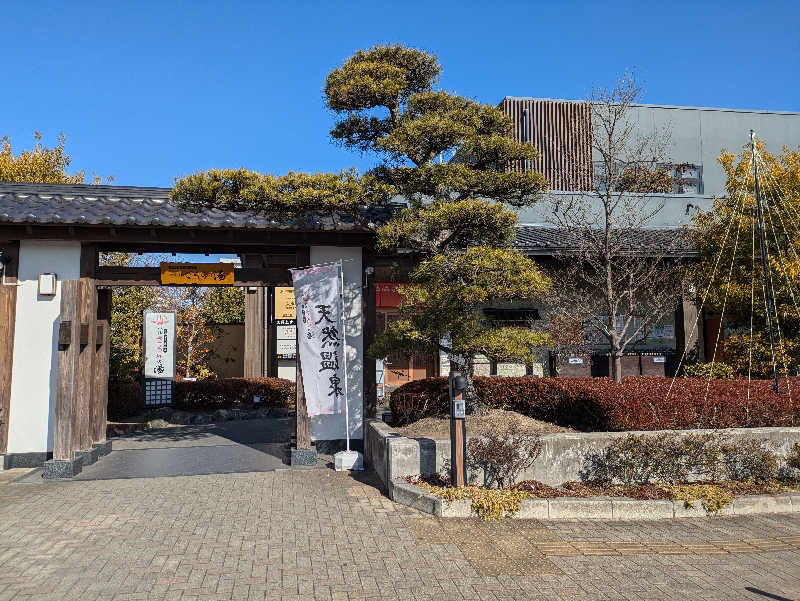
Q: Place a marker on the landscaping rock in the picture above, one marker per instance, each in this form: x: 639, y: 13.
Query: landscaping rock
x: 201, y: 419
x: 155, y: 424
x: 180, y: 417
x: 160, y: 413
x: 222, y: 415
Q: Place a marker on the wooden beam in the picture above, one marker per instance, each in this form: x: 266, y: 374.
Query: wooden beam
x: 89, y: 260
x: 63, y: 447
x: 303, y: 421
x: 99, y: 410
x: 280, y: 255
x: 368, y: 302
x: 8, y: 311
x: 82, y: 439
x: 151, y: 276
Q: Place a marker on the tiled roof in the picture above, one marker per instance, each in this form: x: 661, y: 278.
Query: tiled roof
x: 70, y: 204
x: 546, y: 239
x: 67, y: 204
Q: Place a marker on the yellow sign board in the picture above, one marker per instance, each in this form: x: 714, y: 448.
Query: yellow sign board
x: 284, y: 303
x: 197, y: 274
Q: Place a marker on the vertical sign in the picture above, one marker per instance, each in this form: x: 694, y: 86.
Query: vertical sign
x: 285, y: 312
x: 159, y: 357
x: 159, y: 345
x: 320, y: 337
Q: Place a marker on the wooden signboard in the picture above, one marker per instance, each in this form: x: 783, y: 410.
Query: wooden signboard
x: 285, y: 303
x: 285, y: 323
x: 197, y: 274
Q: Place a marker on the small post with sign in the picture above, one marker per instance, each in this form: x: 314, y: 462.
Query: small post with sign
x: 458, y: 430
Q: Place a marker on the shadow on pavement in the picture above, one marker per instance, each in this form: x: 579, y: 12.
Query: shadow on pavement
x: 224, y: 447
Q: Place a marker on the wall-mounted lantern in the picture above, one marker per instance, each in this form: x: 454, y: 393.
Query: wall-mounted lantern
x: 47, y: 284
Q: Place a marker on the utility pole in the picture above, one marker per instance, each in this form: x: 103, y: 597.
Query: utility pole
x: 769, y: 297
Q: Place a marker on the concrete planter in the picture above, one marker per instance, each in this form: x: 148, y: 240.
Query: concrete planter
x: 394, y: 456
x: 599, y: 508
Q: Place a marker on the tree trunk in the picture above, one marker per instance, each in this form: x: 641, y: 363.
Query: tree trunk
x: 474, y: 405
x: 616, y: 365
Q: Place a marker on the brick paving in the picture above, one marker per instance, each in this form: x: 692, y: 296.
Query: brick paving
x: 326, y: 536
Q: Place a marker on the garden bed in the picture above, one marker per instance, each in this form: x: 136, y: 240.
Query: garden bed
x: 606, y: 503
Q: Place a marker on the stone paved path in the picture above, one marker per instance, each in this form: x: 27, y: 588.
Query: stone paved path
x: 321, y: 535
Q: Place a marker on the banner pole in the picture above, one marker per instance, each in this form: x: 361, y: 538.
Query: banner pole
x: 344, y: 357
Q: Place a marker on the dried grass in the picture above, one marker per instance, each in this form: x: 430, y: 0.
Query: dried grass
x: 439, y: 427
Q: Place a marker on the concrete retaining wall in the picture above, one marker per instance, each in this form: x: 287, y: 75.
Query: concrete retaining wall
x: 561, y: 459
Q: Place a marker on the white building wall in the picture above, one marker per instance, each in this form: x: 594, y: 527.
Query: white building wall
x: 331, y: 427
x: 35, y: 365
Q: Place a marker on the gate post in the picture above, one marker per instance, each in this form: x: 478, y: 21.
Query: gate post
x: 68, y: 349
x: 8, y: 312
x: 99, y: 414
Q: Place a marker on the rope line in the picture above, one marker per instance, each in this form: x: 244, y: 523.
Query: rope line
x: 727, y: 289
x: 700, y: 309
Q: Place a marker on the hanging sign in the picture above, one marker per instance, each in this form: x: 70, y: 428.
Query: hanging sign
x: 197, y: 274
x: 159, y: 344
x: 320, y: 337
x: 285, y: 307
x: 285, y: 312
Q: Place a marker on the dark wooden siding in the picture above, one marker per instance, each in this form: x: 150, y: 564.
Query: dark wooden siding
x: 561, y: 131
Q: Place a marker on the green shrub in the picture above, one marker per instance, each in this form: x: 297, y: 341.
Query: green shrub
x: 212, y: 394
x: 793, y: 458
x: 124, y: 399
x: 671, y: 459
x: 718, y: 371
x: 504, y: 454
x: 749, y: 460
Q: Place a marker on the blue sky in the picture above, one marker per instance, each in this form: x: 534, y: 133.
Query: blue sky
x: 147, y: 91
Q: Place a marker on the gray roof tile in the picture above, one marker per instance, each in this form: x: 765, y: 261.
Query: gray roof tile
x: 57, y: 204
x: 69, y: 204
x: 673, y: 241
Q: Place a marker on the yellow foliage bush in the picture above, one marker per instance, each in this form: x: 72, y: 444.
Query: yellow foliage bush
x: 487, y: 503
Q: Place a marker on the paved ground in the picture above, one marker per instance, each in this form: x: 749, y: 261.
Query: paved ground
x: 321, y: 535
x: 257, y: 445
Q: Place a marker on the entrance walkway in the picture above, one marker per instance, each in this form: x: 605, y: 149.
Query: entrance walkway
x: 257, y: 445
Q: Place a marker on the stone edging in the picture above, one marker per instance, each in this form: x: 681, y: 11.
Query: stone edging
x: 598, y: 508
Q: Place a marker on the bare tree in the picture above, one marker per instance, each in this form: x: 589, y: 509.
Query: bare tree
x: 615, y: 276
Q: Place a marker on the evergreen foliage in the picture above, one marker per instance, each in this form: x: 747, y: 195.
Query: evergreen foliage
x: 447, y: 156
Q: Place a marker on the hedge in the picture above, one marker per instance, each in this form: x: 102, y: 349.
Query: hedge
x: 124, y: 397
x: 212, y: 394
x: 600, y: 404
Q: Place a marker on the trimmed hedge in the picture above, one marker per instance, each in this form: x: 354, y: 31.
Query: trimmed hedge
x: 124, y: 396
x: 213, y: 394
x: 600, y: 404
x: 124, y: 399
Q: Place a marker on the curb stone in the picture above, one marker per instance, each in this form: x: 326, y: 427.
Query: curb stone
x: 594, y: 508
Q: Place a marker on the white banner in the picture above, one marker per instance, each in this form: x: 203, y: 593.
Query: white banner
x: 320, y: 336
x: 159, y: 345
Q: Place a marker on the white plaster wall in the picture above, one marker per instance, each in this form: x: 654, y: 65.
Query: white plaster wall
x: 331, y: 427
x: 35, y: 366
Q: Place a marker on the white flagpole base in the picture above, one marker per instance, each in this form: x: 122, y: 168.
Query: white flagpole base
x: 348, y: 460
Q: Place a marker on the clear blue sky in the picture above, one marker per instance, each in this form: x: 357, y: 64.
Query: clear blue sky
x: 147, y: 91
